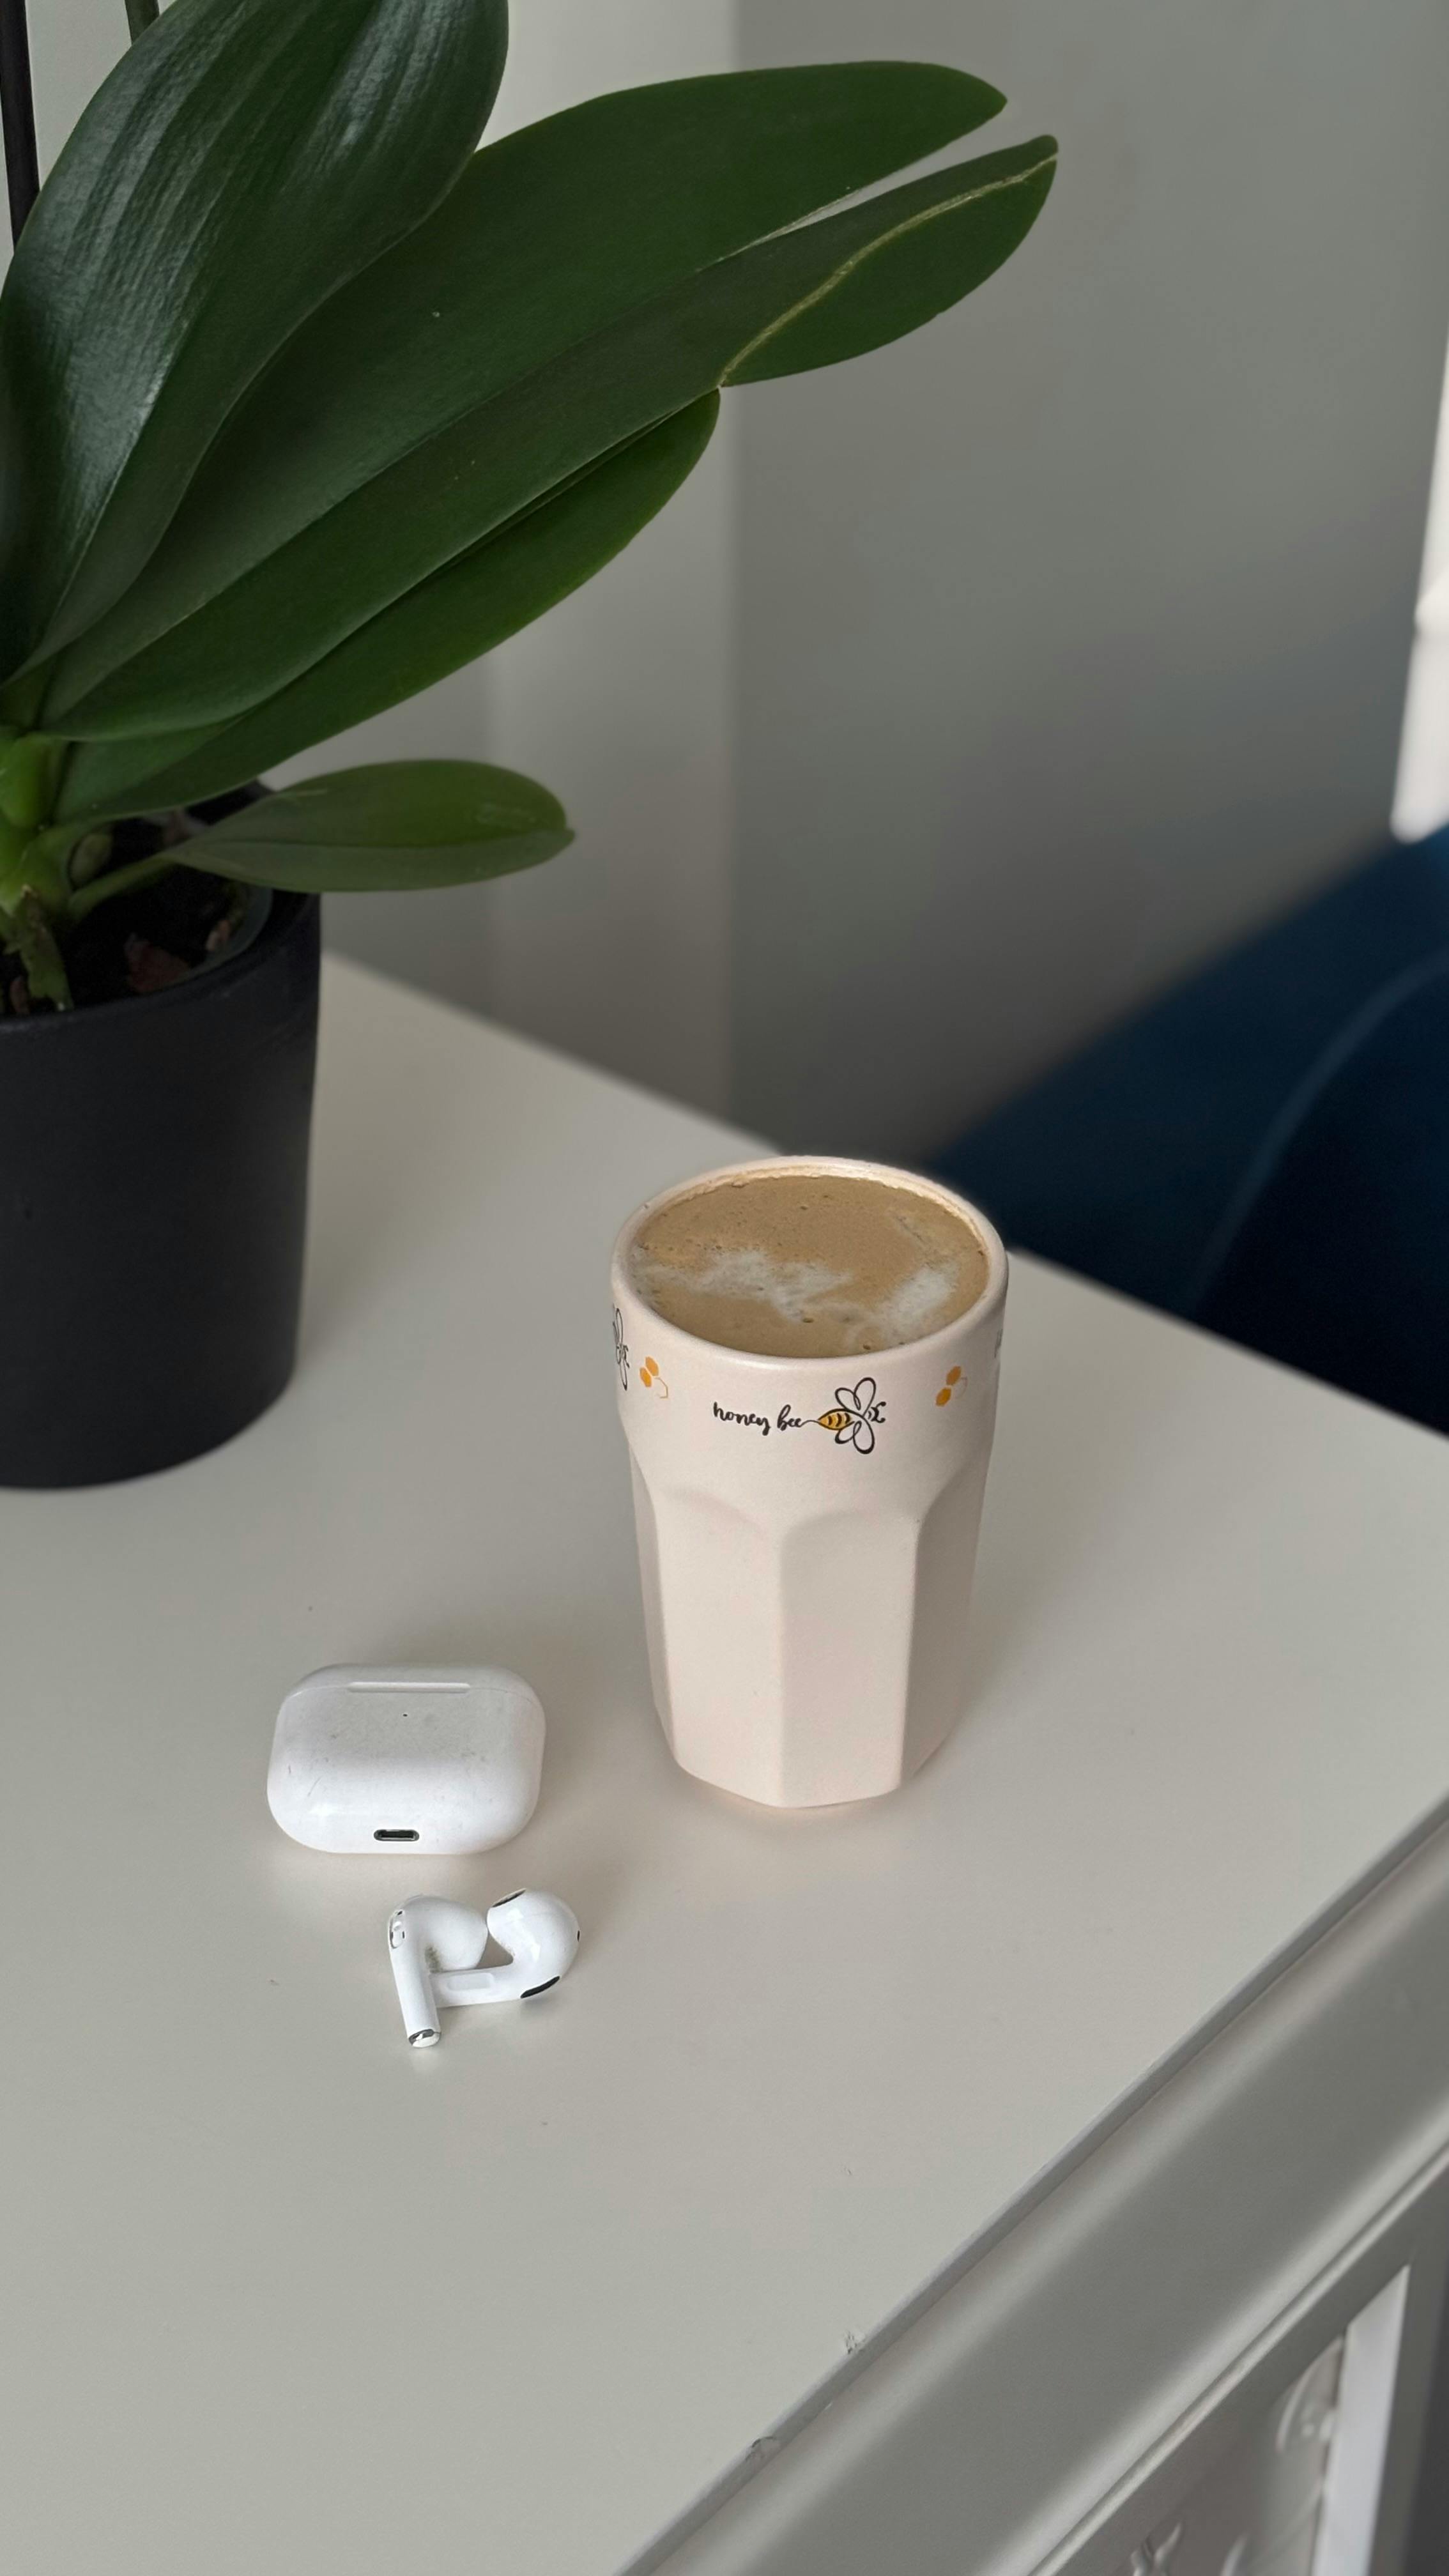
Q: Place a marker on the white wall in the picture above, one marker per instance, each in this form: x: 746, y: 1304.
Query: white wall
x: 993, y: 681
x: 620, y: 699
x: 1075, y: 630
x: 73, y: 44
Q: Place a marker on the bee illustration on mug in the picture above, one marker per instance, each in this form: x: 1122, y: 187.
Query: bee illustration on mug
x: 854, y: 1415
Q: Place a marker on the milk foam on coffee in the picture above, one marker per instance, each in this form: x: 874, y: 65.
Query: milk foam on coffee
x: 808, y: 1265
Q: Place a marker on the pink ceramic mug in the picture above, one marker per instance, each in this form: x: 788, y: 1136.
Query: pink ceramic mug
x: 807, y: 1533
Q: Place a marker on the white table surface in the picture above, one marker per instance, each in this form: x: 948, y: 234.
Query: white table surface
x: 279, y: 2293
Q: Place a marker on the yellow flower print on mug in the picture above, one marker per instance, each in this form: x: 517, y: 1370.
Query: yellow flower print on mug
x: 953, y: 1380
x: 649, y: 1376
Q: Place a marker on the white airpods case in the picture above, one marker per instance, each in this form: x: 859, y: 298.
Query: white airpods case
x: 371, y: 1760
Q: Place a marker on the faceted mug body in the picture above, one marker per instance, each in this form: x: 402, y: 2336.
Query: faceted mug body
x: 807, y: 1536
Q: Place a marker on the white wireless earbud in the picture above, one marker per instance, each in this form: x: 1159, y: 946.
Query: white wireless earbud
x: 430, y: 1932
x: 435, y: 1947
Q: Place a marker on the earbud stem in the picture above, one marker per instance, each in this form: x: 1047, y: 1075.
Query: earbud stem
x: 488, y: 1984
x: 453, y: 1986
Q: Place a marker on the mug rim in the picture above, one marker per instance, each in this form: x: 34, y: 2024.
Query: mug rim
x: 854, y: 1167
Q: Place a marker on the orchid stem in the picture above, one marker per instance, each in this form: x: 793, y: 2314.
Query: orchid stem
x: 119, y: 881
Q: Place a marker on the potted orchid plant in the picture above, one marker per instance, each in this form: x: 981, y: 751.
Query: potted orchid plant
x: 305, y: 401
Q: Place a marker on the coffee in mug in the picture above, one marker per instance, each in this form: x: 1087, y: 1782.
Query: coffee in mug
x: 813, y: 1264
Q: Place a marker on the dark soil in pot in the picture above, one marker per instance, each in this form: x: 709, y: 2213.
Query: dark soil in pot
x: 153, y: 1180
x: 155, y: 935
x: 158, y: 937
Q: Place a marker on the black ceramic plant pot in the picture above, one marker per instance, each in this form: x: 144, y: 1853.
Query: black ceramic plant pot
x: 153, y: 1186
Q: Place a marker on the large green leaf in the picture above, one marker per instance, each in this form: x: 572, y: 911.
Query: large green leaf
x: 242, y: 160
x: 458, y: 613
x: 738, y: 318
x: 547, y: 238
x: 398, y: 823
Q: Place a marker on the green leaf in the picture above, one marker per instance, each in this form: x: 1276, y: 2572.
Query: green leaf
x: 487, y: 594
x: 548, y: 238
x: 941, y: 236
x: 243, y: 159
x: 398, y: 823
